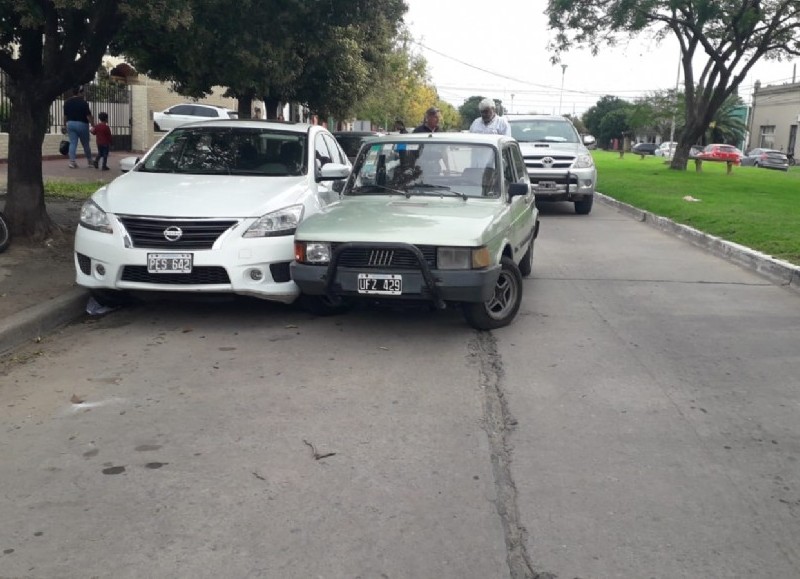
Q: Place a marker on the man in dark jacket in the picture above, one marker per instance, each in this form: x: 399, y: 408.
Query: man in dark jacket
x: 431, y: 122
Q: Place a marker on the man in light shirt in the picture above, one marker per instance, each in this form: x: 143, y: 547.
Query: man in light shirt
x: 489, y: 123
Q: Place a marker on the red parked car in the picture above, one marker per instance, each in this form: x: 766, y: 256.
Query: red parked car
x: 720, y: 153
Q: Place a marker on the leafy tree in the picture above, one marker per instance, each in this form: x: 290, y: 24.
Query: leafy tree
x: 469, y: 110
x: 734, y: 35
x: 614, y: 125
x: 46, y: 48
x: 727, y: 127
x: 324, y: 54
x: 593, y: 118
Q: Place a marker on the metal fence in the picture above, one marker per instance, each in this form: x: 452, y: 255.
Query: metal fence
x: 108, y: 97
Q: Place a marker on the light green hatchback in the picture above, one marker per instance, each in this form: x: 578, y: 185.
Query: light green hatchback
x: 447, y: 218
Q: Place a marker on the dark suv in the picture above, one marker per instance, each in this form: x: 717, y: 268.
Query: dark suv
x: 644, y: 148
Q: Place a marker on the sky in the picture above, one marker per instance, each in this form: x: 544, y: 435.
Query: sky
x: 498, y: 49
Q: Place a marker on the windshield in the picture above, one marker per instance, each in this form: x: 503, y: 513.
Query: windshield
x: 434, y: 169
x: 228, y: 151
x: 543, y: 131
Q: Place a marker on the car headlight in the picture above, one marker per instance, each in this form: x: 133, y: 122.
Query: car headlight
x: 92, y: 217
x: 462, y: 258
x: 314, y: 252
x: 583, y: 162
x: 281, y: 222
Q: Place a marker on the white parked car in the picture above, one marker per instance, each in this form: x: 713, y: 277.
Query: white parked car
x: 212, y: 207
x: 178, y: 115
x: 666, y: 149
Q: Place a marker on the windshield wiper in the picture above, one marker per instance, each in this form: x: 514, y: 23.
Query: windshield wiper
x: 373, y: 187
x: 439, y: 188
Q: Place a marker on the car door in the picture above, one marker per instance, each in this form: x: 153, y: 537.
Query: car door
x: 521, y: 206
x: 323, y: 154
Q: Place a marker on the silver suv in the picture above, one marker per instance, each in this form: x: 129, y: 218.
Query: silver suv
x: 559, y: 165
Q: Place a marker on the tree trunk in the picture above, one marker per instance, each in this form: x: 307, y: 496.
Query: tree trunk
x: 245, y: 106
x: 25, y: 207
x: 271, y: 105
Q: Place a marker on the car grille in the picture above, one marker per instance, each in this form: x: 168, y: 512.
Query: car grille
x: 203, y: 275
x: 385, y: 258
x: 149, y: 233
x: 545, y: 161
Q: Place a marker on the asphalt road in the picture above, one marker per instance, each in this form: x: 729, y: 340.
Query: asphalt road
x: 639, y: 419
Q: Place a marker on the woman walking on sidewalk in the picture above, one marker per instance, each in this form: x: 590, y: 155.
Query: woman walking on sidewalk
x: 77, y: 120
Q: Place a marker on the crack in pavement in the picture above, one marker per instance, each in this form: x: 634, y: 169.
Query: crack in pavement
x: 499, y: 423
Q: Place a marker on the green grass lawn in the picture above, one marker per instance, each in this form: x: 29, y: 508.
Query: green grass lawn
x: 758, y: 208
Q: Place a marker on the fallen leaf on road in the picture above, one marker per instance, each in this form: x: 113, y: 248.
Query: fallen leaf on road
x: 76, y: 399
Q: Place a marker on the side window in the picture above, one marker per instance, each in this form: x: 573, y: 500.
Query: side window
x: 336, y: 153
x: 519, y: 164
x: 181, y: 110
x: 203, y: 111
x: 508, y: 167
x: 322, y: 154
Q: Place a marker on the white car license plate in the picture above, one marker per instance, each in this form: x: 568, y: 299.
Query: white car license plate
x: 385, y: 284
x: 547, y: 186
x: 169, y: 263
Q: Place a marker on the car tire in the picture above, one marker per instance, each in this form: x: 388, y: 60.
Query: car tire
x: 323, y: 305
x: 502, y: 307
x: 5, y: 233
x: 584, y: 207
x: 526, y: 263
x: 112, y: 298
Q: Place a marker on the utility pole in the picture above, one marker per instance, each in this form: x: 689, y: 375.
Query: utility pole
x: 675, y: 104
x: 561, y: 96
x: 512, y: 104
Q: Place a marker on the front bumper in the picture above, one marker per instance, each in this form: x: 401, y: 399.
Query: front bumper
x: 424, y: 283
x: 573, y: 185
x: 257, y: 267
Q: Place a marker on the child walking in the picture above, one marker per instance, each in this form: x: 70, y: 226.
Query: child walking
x: 103, y: 134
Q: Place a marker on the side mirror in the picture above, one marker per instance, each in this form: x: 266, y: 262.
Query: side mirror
x: 515, y: 189
x: 589, y: 141
x: 333, y: 172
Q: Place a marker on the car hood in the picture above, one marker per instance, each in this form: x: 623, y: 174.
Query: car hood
x: 418, y: 220
x: 173, y: 195
x: 542, y: 148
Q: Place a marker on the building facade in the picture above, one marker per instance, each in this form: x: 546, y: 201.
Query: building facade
x: 775, y: 117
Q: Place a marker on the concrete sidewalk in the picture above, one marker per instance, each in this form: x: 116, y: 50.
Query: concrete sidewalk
x: 37, y: 282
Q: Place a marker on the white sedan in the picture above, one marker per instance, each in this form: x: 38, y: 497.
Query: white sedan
x: 178, y: 115
x: 211, y: 208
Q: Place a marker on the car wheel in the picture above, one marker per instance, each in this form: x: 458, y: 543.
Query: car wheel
x: 323, y: 305
x: 501, y: 308
x: 5, y: 233
x: 112, y: 298
x: 526, y: 264
x: 584, y: 207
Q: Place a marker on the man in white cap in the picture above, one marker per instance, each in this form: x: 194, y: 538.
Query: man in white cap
x: 489, y: 122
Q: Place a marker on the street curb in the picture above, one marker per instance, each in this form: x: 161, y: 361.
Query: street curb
x: 36, y: 321
x: 779, y: 272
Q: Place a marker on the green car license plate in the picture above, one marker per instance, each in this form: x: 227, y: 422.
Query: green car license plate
x: 383, y: 284
x: 169, y: 263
